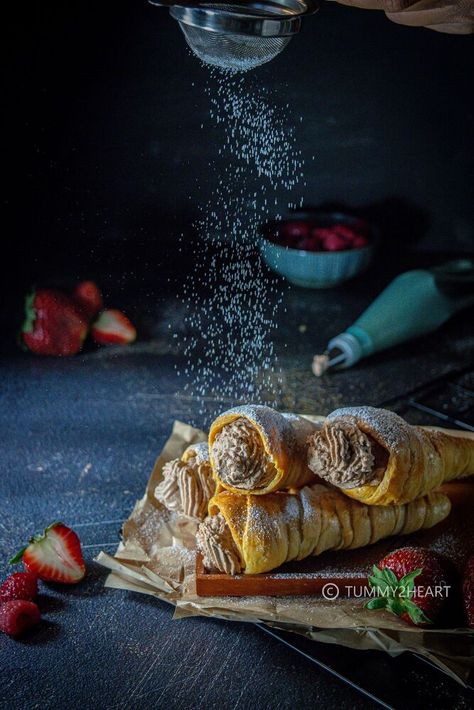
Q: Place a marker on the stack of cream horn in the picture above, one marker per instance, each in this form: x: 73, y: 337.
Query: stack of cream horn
x: 269, y: 488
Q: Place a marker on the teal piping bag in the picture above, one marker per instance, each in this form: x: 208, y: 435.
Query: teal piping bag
x: 413, y: 304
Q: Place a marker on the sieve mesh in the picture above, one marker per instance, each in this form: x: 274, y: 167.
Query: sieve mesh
x: 232, y: 51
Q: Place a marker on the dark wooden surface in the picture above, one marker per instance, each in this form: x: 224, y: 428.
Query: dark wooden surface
x: 79, y: 438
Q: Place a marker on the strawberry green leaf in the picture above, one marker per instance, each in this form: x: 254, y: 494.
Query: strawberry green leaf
x: 416, y: 614
x: 53, y: 525
x: 18, y: 557
x: 395, y: 606
x: 30, y: 313
x: 378, y: 603
x: 407, y: 583
x: 40, y: 536
x: 378, y: 583
x: 390, y: 577
x: 383, y: 573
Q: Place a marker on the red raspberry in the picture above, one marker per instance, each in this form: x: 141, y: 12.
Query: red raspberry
x: 322, y: 232
x: 345, y: 232
x: 293, y: 230
x: 20, y: 585
x: 334, y: 243
x: 309, y: 244
x: 359, y: 242
x: 315, y: 235
x: 17, y: 616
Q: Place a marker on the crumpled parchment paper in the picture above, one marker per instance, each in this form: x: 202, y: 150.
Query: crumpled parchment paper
x: 157, y: 557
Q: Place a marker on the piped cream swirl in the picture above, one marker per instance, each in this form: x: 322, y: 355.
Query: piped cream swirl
x: 239, y: 455
x: 187, y: 487
x: 343, y: 455
x: 217, y: 546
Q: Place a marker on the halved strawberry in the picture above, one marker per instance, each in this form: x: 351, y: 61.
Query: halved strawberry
x: 88, y: 297
x: 54, y: 555
x: 112, y: 326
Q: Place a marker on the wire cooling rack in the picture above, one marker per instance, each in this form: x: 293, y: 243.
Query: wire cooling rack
x: 408, y: 680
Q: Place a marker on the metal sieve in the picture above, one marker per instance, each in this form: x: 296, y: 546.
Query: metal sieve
x: 239, y: 35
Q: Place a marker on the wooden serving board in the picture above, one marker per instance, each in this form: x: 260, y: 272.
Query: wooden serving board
x: 278, y: 584
x: 347, y: 570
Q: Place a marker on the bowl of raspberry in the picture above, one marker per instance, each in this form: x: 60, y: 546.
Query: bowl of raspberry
x: 318, y: 250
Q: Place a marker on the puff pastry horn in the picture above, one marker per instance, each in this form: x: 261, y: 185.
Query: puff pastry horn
x: 374, y: 456
x: 253, y: 534
x: 255, y: 449
x: 188, y: 483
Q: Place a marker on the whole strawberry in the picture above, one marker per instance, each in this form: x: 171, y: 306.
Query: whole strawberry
x: 88, y: 297
x: 468, y: 592
x: 55, y: 555
x: 18, y: 615
x: 20, y: 585
x: 54, y: 325
x: 413, y: 583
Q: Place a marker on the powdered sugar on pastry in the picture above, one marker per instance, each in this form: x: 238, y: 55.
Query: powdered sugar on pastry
x: 344, y: 453
x: 259, y: 533
x: 240, y: 457
x: 257, y: 449
x: 391, y: 428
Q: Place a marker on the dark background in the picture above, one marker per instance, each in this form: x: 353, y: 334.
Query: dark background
x: 106, y: 164
x: 106, y: 160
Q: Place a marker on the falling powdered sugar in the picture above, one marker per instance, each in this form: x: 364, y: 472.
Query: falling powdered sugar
x: 228, y: 347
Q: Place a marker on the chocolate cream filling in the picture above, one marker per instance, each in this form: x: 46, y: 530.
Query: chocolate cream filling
x: 346, y: 456
x: 240, y: 458
x: 217, y: 546
x: 186, y: 488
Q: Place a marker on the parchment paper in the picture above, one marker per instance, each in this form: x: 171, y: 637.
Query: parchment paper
x: 157, y: 557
